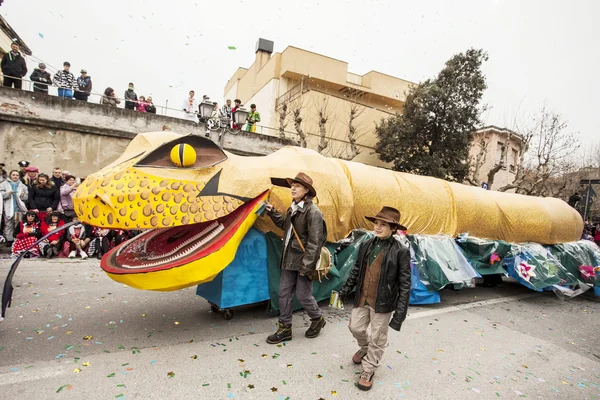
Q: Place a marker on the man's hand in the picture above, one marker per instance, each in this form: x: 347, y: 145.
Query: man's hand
x: 49, y: 209
x: 395, y: 323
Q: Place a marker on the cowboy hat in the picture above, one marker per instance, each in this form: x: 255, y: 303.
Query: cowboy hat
x: 389, y: 215
x: 305, y: 181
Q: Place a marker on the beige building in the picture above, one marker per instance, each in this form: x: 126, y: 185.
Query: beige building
x: 486, y: 151
x: 322, y: 89
x: 318, y: 86
x: 7, y: 36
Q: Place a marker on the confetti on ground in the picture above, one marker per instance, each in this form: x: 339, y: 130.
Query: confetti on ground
x: 121, y: 385
x: 86, y: 364
x: 273, y: 389
x: 194, y: 357
x: 111, y: 375
x: 87, y: 337
x: 319, y: 376
x: 171, y: 374
x: 152, y: 362
x: 119, y: 396
x: 176, y: 323
x: 205, y: 384
x: 334, y: 393
x: 62, y: 387
x: 250, y: 386
x: 76, y: 370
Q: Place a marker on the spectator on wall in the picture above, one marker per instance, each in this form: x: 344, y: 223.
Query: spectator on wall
x: 14, y: 67
x: 109, y: 98
x: 253, y: 118
x: 150, y: 107
x: 65, y: 81
x: 237, y: 106
x: 226, y: 109
x: 84, y: 86
x: 130, y: 97
x: 41, y: 79
x: 141, y: 104
x: 190, y: 107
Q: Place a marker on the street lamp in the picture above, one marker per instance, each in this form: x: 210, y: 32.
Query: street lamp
x: 206, y: 109
x: 240, y: 116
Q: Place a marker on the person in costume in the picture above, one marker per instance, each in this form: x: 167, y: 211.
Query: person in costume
x: 381, y: 276
x: 50, y: 247
x: 77, y: 240
x: 27, y: 234
x: 100, y: 241
x: 14, y: 196
x: 253, y: 118
x: 303, y: 239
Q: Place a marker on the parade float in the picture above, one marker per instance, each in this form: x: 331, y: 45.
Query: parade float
x: 200, y: 210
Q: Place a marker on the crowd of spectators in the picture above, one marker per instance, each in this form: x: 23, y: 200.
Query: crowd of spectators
x: 68, y: 86
x: 34, y: 204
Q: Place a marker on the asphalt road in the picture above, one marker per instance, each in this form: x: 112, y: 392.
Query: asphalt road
x: 71, y: 327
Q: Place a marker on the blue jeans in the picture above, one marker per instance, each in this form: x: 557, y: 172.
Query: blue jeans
x: 68, y: 93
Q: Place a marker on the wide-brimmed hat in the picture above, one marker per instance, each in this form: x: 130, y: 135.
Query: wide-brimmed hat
x: 389, y: 215
x: 305, y: 181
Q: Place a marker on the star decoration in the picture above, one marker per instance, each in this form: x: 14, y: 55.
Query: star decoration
x: 86, y: 364
x: 240, y: 360
x: 273, y: 389
x: 77, y: 370
x: 526, y: 271
x: 289, y: 365
x: 319, y: 376
x: 171, y: 374
x: 250, y: 386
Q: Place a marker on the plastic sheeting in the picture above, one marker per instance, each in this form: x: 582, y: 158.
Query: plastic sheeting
x: 440, y: 262
x: 484, y: 255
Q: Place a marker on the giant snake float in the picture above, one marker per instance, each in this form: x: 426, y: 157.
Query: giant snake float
x: 195, y: 212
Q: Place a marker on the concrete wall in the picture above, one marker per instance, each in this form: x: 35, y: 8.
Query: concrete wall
x: 83, y: 137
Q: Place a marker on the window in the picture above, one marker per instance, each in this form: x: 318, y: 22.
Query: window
x: 514, y: 160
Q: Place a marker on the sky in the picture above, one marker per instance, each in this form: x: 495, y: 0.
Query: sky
x: 540, y: 52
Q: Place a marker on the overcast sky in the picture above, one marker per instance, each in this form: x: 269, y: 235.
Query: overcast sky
x: 539, y: 51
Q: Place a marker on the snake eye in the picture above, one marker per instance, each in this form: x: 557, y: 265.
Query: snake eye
x: 191, y: 151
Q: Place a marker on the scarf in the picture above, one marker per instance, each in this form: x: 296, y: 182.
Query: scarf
x: 14, y: 186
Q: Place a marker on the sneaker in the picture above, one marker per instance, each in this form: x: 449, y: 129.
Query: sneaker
x: 358, y: 356
x: 283, y: 333
x: 54, y: 251
x: 365, y: 380
x: 48, y: 252
x: 99, y: 255
x: 72, y: 254
x: 83, y: 255
x: 315, y: 327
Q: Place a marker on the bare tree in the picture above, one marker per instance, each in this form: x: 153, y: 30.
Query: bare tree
x: 502, y: 162
x: 283, y: 121
x: 356, y: 110
x: 547, y: 155
x: 479, y: 139
x: 323, y: 115
x: 296, y: 107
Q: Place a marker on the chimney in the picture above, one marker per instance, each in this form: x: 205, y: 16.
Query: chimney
x: 264, y: 49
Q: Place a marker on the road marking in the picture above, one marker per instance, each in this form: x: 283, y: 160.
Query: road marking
x: 462, y: 307
x: 20, y: 377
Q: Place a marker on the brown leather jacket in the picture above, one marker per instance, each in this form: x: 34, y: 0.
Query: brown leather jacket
x: 308, y: 222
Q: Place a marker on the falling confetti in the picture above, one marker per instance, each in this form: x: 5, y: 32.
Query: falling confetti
x: 231, y: 47
x: 40, y: 35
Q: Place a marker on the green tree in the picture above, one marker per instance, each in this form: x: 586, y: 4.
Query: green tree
x: 433, y: 134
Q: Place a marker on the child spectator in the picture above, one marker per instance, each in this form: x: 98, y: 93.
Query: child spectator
x: 77, y: 240
x: 109, y: 98
x: 51, y: 246
x: 100, y: 242
x: 41, y: 79
x: 65, y: 203
x: 43, y: 196
x: 150, y: 108
x: 84, y: 86
x: 65, y: 81
x: 237, y: 106
x: 253, y: 118
x: 27, y: 234
x: 14, y: 195
x: 141, y: 104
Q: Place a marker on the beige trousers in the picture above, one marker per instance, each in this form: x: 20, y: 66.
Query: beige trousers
x: 373, y: 344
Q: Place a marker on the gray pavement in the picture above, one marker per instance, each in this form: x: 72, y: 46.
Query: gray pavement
x: 71, y: 327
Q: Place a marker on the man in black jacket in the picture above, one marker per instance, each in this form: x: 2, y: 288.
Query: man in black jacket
x: 41, y: 79
x: 303, y: 238
x: 381, y: 276
x: 13, y: 67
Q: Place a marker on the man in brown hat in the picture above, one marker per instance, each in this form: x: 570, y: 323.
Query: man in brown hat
x: 304, y: 234
x: 381, y: 276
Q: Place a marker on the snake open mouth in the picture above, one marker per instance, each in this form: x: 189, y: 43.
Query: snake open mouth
x: 167, y: 248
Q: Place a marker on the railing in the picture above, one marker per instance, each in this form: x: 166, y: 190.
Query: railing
x: 291, y: 94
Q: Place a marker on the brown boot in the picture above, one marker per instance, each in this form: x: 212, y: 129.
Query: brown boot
x: 365, y: 381
x: 358, y: 356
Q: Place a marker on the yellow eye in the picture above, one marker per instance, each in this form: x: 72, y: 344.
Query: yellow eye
x: 183, y: 155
